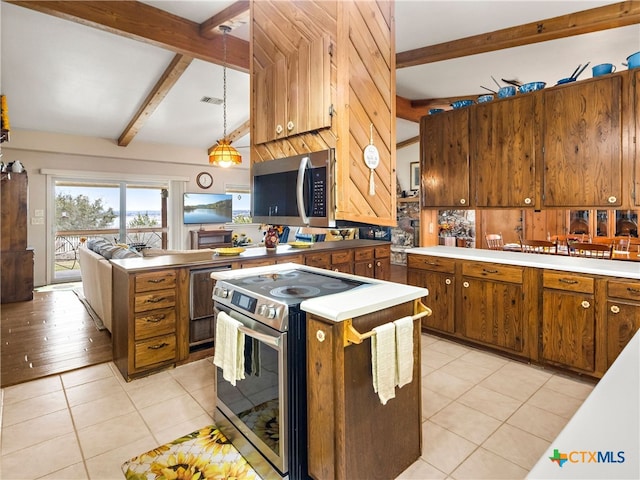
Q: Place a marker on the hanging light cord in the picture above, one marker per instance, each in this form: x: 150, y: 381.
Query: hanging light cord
x: 224, y: 29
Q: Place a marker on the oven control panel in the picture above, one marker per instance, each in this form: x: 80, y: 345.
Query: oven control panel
x: 255, y: 306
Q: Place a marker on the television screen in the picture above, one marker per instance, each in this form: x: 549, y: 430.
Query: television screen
x: 201, y: 208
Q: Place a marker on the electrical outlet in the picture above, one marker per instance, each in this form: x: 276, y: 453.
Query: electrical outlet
x: 37, y: 221
x: 38, y: 213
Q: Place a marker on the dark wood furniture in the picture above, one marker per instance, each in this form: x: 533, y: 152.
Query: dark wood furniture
x: 210, y: 239
x: 16, y: 260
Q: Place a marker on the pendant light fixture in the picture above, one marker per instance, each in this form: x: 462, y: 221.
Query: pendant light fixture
x: 223, y: 154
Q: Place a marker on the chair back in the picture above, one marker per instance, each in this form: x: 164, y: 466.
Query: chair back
x: 590, y: 250
x: 494, y: 241
x: 621, y: 244
x: 538, y: 246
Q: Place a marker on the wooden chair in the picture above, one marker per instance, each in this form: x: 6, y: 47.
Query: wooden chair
x: 621, y: 244
x: 590, y: 250
x: 538, y: 246
x: 494, y: 241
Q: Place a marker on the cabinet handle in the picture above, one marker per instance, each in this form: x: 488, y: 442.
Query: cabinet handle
x: 635, y: 291
x: 585, y: 304
x: 447, y: 281
x: 155, y: 299
x: 279, y: 129
x: 463, y: 201
x: 369, y: 265
x: 615, y: 309
x: 527, y: 201
x: 156, y: 280
x: 320, y: 335
x: 158, y: 347
x: 378, y: 264
x: 336, y: 269
x: 568, y: 280
x: 612, y: 199
x: 465, y: 284
x: 155, y: 319
x: 290, y: 125
x: 489, y: 271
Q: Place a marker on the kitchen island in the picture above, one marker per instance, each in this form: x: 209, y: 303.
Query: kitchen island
x: 571, y: 313
x: 351, y: 432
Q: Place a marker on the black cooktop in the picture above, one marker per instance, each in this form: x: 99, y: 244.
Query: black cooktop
x: 291, y: 287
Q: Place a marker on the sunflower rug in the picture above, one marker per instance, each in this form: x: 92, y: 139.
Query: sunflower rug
x: 205, y: 454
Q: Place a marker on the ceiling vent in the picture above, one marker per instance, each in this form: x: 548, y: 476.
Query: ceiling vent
x: 212, y: 100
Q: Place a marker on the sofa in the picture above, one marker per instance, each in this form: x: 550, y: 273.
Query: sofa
x: 95, y: 270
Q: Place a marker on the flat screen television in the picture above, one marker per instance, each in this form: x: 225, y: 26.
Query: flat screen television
x: 201, y: 208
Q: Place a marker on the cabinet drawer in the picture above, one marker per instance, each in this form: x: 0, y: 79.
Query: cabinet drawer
x: 159, y: 280
x: 363, y: 254
x: 155, y: 300
x: 154, y: 323
x: 622, y: 289
x: 382, y: 252
x: 436, y: 264
x: 320, y: 260
x: 491, y: 271
x: 155, y: 350
x: 568, y: 281
x: 342, y: 257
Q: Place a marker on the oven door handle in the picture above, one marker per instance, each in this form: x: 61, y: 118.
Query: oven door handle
x: 304, y: 162
x: 268, y: 339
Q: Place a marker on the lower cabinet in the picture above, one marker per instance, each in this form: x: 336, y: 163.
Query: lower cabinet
x: 623, y: 315
x: 492, y: 305
x: 569, y: 321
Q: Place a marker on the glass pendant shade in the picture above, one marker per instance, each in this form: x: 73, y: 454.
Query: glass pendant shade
x: 224, y: 155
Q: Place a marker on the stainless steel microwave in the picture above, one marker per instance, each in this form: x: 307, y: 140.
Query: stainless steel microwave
x: 296, y: 191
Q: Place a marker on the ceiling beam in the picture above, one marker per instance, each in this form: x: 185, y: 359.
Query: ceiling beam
x: 407, y: 142
x: 235, y: 14
x: 239, y: 132
x: 138, y: 21
x: 168, y: 79
x: 587, y: 21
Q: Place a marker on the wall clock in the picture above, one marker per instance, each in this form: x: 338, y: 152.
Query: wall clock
x: 204, y: 180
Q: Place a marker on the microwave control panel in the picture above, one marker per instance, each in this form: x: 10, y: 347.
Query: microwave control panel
x: 319, y: 193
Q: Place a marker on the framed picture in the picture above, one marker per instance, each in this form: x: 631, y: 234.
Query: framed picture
x: 414, y: 176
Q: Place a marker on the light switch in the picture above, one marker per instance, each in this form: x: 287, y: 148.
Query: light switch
x: 39, y: 213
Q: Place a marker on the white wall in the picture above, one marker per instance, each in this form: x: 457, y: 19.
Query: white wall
x: 404, y: 157
x: 39, y: 151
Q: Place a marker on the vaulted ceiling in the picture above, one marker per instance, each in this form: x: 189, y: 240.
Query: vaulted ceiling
x: 137, y: 71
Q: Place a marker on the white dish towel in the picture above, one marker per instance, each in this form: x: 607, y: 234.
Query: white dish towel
x: 383, y: 361
x: 229, y: 348
x: 404, y: 350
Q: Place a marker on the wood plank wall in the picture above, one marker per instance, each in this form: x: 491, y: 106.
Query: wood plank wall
x: 362, y: 93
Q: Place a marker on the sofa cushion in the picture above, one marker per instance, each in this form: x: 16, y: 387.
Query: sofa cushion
x: 109, y: 250
x: 125, y: 253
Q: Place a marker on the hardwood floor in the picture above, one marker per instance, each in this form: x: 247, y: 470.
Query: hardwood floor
x: 51, y: 334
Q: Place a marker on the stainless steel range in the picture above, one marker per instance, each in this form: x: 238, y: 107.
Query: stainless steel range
x: 265, y: 414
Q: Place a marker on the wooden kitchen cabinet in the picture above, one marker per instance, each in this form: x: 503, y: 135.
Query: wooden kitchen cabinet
x: 438, y: 276
x: 293, y: 95
x: 569, y: 321
x: 373, y: 262
x: 444, y: 159
x: 342, y: 261
x: 504, y: 146
x: 623, y: 315
x: 583, y: 144
x: 635, y: 126
x: 492, y: 307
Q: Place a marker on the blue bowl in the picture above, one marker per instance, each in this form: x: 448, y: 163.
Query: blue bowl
x: 462, y: 103
x: 435, y: 110
x: 505, y: 92
x: 485, y: 98
x: 633, y: 61
x: 532, y: 87
x: 566, y: 80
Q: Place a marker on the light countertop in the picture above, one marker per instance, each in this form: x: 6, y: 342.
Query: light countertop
x: 613, y: 268
x: 375, y: 296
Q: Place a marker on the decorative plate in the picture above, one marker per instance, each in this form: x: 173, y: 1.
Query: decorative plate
x: 229, y: 250
x: 300, y: 244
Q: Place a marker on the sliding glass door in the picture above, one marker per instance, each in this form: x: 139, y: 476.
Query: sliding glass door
x: 131, y: 213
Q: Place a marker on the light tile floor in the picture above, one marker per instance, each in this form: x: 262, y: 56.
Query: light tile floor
x: 483, y: 416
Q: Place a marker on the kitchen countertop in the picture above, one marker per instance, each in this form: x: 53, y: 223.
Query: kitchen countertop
x: 375, y: 296
x: 612, y: 268
x: 208, y: 257
x: 607, y: 423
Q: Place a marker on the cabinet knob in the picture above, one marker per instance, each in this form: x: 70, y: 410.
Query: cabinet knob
x: 279, y: 129
x: 290, y: 125
x: 465, y: 284
x: 369, y: 265
x: 463, y: 201
x: 615, y: 309
x: 448, y: 281
x: 527, y: 201
x: 585, y: 304
x: 378, y: 264
x: 320, y: 335
x: 612, y: 199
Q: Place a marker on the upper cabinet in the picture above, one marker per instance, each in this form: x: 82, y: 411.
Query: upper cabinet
x: 293, y: 94
x: 582, y: 144
x: 444, y: 166
x: 504, y: 148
